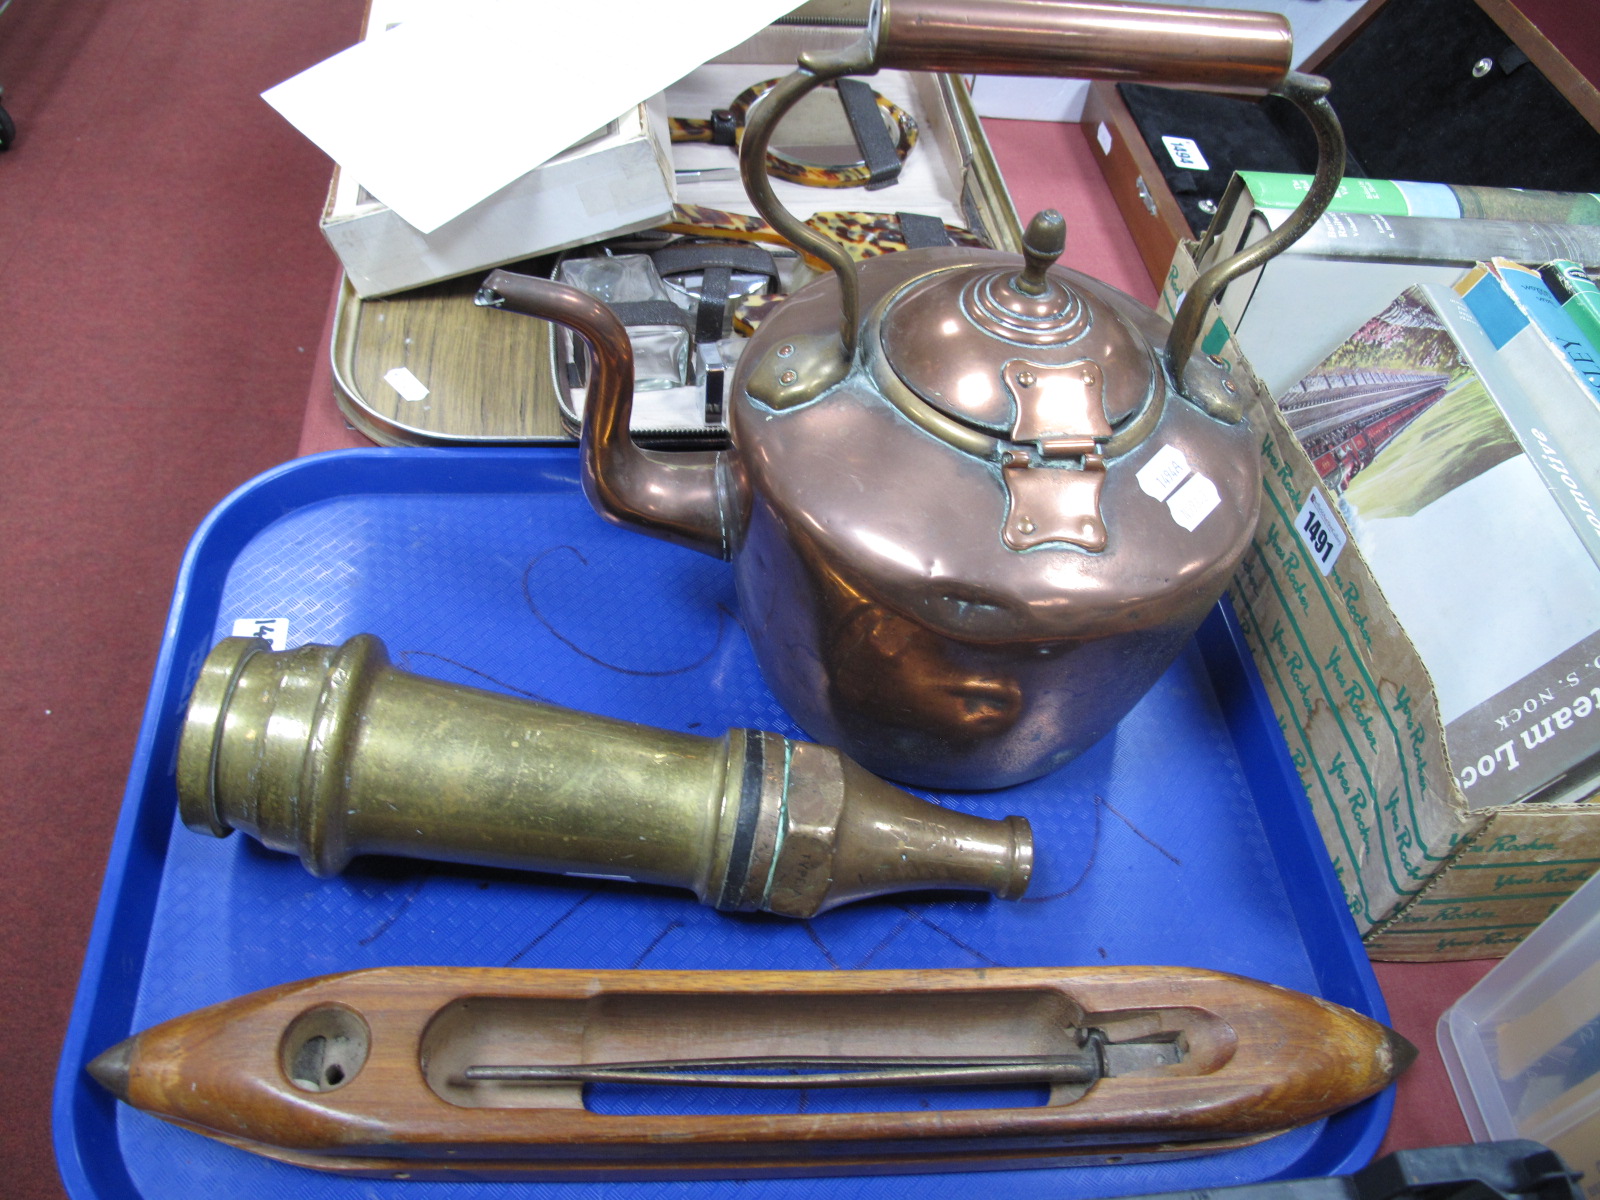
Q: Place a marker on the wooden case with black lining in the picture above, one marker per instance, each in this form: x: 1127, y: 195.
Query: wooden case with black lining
x: 1446, y: 91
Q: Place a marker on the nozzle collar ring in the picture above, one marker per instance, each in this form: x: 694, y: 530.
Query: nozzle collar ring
x: 731, y: 896
x: 200, y: 742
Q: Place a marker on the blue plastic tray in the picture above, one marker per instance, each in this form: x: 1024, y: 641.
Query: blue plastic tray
x: 1182, y: 839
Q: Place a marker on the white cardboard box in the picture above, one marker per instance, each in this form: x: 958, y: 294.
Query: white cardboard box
x: 616, y: 182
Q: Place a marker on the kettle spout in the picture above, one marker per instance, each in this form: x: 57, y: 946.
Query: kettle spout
x: 678, y: 497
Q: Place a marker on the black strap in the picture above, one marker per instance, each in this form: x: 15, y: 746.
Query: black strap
x: 872, y: 137
x: 724, y: 127
x: 708, y: 314
x: 716, y: 262
x: 921, y: 231
x: 679, y: 258
x: 651, y: 312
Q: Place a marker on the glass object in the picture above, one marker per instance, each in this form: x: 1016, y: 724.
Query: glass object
x: 663, y: 353
x: 617, y: 279
x: 663, y: 357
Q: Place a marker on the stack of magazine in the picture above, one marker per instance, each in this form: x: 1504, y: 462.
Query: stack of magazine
x: 1456, y: 427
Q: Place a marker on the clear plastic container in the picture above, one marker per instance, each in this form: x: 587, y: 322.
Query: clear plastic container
x: 1523, y: 1046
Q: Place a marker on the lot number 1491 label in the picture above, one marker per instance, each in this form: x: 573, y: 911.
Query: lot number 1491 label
x: 1320, y: 530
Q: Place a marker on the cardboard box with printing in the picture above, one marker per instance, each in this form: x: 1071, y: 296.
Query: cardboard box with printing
x: 1425, y: 876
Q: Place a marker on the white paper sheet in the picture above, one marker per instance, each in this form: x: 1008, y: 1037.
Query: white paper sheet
x: 448, y: 107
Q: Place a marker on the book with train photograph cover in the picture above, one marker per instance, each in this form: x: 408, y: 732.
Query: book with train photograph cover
x: 1465, y: 513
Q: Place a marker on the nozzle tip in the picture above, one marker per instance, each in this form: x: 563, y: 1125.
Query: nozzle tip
x: 1021, y: 858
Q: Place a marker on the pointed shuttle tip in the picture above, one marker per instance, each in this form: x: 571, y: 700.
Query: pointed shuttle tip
x: 1401, y: 1052
x: 112, y: 1068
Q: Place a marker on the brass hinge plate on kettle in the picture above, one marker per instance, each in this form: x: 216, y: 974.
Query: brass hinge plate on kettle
x: 1053, y: 490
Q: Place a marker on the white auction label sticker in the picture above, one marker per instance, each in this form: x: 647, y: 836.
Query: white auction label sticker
x: 1194, y: 501
x: 274, y: 630
x: 407, y: 384
x: 1103, y: 136
x: 1185, y: 152
x: 1163, y: 473
x: 1320, y: 530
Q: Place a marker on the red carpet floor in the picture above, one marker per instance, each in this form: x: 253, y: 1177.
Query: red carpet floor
x: 162, y: 292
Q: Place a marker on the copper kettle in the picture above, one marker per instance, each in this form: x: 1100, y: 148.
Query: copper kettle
x: 975, y: 507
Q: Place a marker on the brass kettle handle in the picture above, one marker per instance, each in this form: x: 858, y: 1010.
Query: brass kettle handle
x: 1086, y: 39
x: 1308, y: 93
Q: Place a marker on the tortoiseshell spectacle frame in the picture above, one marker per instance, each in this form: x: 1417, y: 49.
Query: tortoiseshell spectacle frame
x: 780, y: 165
x: 862, y: 234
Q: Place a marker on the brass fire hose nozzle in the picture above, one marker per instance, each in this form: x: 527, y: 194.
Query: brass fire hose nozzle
x: 329, y: 752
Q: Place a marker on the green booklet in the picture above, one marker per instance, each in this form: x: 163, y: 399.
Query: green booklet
x: 1404, y: 198
x: 1569, y: 282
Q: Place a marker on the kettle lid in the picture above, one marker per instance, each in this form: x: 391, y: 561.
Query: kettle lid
x: 1019, y: 354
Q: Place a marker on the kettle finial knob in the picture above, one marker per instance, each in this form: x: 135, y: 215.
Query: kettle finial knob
x: 1041, y: 246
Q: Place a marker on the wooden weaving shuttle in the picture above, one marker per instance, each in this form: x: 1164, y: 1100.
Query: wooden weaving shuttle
x: 463, y: 1073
